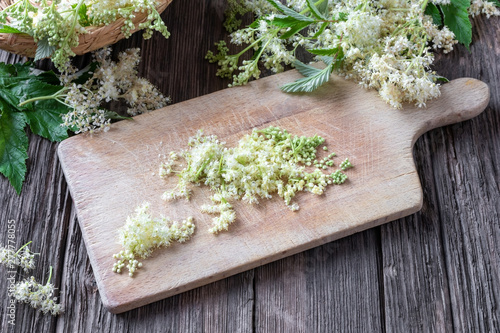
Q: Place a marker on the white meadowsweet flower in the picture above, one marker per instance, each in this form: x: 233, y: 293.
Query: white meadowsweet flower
x: 38, y: 296
x: 142, y: 234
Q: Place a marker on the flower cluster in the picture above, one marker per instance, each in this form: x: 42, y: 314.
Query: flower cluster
x: 264, y: 162
x: 23, y: 257
x: 57, y: 25
x: 487, y: 8
x: 29, y: 291
x: 38, y: 296
x: 142, y: 234
x: 110, y: 81
x: 386, y: 45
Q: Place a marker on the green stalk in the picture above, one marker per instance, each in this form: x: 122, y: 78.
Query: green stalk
x: 22, y: 247
x: 424, y: 4
x: 43, y: 98
x: 75, y: 20
x: 50, y: 275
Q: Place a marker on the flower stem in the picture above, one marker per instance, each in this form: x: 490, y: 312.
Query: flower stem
x: 43, y: 98
x: 50, y: 275
x: 22, y: 247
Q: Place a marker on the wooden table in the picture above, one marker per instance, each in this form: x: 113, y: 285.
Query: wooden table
x: 434, y: 271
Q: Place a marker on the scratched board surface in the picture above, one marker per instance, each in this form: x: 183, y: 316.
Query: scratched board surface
x: 112, y: 173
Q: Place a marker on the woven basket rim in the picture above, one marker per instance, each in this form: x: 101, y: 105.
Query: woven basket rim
x: 95, y: 38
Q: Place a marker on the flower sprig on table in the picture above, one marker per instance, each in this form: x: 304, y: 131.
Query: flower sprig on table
x: 39, y: 296
x: 57, y: 25
x: 386, y: 45
x: 53, y: 104
x: 264, y: 162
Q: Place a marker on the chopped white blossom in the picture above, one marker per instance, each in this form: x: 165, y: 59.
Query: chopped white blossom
x: 264, y: 162
x: 142, y: 234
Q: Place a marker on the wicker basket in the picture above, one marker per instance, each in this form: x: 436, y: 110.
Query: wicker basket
x: 96, y: 38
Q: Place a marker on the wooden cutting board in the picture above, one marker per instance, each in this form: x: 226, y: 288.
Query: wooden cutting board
x: 112, y: 173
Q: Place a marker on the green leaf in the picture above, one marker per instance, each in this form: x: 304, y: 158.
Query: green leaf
x: 17, y: 83
x: 283, y: 21
x: 496, y: 2
x: 342, y: 16
x: 460, y: 3
x: 314, y: 10
x: 433, y: 12
x: 295, y: 29
x: 44, y: 49
x: 255, y: 24
x: 289, y: 12
x: 13, y: 146
x: 323, y: 8
x: 308, y: 84
x: 46, y: 120
x: 5, y: 29
x: 83, y: 18
x: 304, y: 69
x: 456, y: 18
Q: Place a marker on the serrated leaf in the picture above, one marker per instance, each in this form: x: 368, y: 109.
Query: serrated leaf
x: 295, y: 29
x: 434, y: 12
x: 314, y: 10
x: 13, y: 146
x: 83, y: 18
x: 304, y: 69
x: 457, y: 20
x: 289, y: 12
x: 44, y: 49
x: 46, y: 120
x: 5, y: 29
x: 308, y: 84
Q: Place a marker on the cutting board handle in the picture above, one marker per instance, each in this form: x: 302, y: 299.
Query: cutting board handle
x: 461, y: 99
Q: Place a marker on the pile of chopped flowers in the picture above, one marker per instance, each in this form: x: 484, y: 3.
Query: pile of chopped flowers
x: 264, y: 162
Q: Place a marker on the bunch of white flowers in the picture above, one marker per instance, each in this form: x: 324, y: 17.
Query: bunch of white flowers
x: 264, y: 162
x: 384, y: 44
x: 38, y: 296
x: 142, y: 234
x: 29, y: 291
x: 110, y: 81
x: 57, y: 25
x: 23, y: 257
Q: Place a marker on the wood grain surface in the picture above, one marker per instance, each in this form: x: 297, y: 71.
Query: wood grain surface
x: 108, y: 175
x: 434, y: 271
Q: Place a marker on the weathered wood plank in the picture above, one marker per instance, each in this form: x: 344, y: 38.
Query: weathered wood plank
x: 441, y: 266
x: 331, y: 288
x: 41, y: 214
